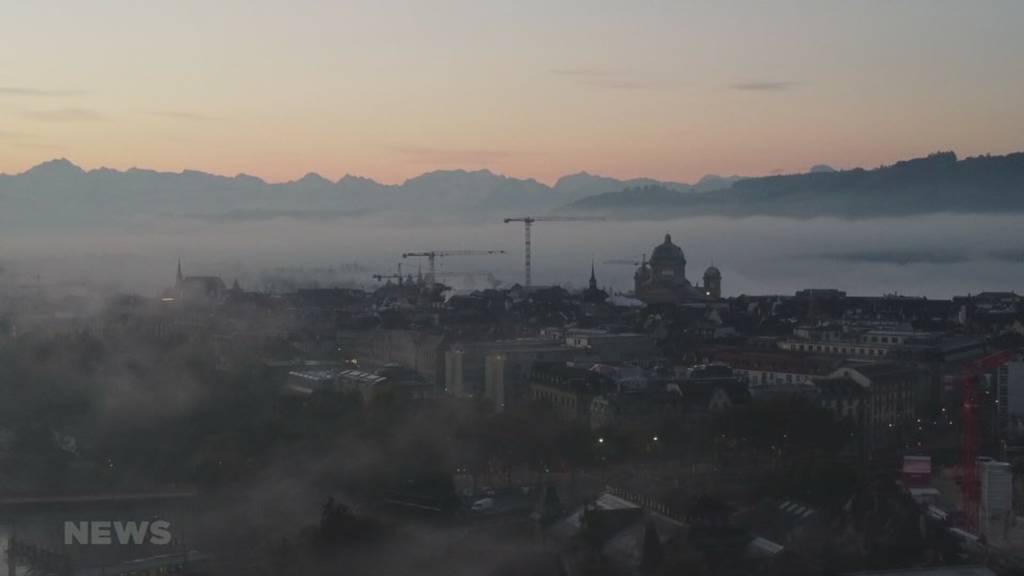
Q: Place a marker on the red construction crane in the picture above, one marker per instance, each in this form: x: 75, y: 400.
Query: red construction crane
x: 433, y: 255
x: 528, y: 225
x: 970, y: 487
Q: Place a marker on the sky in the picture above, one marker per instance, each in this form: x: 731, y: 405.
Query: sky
x: 389, y: 89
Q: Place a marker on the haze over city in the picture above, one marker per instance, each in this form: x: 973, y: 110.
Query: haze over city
x: 521, y: 288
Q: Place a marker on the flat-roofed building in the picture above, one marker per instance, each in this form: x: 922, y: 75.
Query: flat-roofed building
x: 497, y: 370
x: 569, y: 389
x: 884, y: 409
x: 773, y: 372
x: 395, y: 381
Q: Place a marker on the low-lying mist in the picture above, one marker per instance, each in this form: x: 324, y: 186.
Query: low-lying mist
x: 935, y: 255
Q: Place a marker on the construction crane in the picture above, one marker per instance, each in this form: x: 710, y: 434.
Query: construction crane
x: 624, y: 262
x: 528, y: 225
x: 970, y: 486
x: 396, y: 276
x: 379, y: 277
x: 433, y: 255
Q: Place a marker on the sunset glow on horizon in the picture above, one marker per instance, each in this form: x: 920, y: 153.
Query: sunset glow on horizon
x: 391, y: 89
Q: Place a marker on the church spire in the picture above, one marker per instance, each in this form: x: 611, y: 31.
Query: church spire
x: 179, y: 277
x: 593, y: 277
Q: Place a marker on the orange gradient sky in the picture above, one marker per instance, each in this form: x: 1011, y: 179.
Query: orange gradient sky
x: 389, y: 89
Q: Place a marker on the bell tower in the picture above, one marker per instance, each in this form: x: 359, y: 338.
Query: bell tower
x: 713, y: 282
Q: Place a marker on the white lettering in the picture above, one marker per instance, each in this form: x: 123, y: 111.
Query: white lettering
x: 105, y: 532
x: 100, y: 532
x: 76, y: 533
x: 131, y: 532
x: 160, y: 533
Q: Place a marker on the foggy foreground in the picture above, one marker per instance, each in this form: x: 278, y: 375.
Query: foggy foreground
x: 549, y: 432
x: 934, y: 256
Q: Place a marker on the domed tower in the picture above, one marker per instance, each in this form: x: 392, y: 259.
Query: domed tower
x: 713, y: 282
x: 642, y: 276
x: 668, y: 263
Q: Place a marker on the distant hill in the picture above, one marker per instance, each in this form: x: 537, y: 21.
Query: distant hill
x: 59, y: 193
x: 650, y: 196
x: 936, y: 183
x: 715, y: 182
x: 583, y: 184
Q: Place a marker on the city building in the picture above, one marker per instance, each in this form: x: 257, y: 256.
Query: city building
x: 713, y: 282
x: 196, y: 290
x: 569, y: 389
x: 995, y: 507
x: 662, y: 279
x: 419, y: 350
x: 592, y: 294
x: 606, y: 346
x: 842, y: 396
x: 1010, y: 397
x: 394, y: 381
x: 772, y: 372
x: 497, y: 370
x: 885, y: 406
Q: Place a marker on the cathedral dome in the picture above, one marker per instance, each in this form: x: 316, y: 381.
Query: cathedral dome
x: 667, y: 253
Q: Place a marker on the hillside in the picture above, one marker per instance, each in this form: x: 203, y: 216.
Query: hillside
x: 58, y: 194
x: 936, y: 183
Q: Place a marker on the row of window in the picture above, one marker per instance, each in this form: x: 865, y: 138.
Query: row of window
x: 827, y: 349
x: 882, y: 339
x: 557, y: 400
x: 772, y: 377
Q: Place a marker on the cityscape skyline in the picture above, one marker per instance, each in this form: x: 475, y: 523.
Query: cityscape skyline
x: 584, y: 287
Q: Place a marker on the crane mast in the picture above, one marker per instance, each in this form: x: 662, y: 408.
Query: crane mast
x: 527, y: 233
